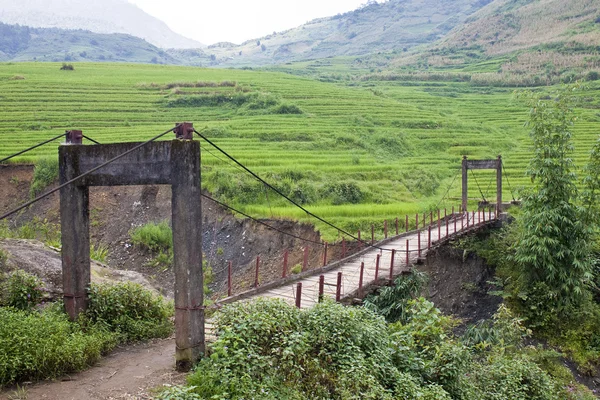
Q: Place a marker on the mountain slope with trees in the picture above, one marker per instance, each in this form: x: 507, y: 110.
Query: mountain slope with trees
x: 519, y: 43
x: 22, y: 43
x: 107, y: 16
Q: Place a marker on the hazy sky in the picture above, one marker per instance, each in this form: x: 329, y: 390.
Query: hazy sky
x: 211, y: 21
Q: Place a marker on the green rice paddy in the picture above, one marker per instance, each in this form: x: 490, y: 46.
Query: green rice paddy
x: 354, y: 152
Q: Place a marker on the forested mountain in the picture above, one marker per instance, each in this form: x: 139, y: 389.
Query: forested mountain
x: 22, y: 43
x: 106, y: 16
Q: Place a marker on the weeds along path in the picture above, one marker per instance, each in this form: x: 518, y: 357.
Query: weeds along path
x: 128, y: 373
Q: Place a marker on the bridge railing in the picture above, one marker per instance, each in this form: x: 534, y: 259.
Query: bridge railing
x: 460, y: 222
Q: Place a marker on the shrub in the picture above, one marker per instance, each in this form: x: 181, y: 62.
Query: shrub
x: 343, y: 193
x: 130, y: 310
x: 20, y: 290
x: 287, y: 109
x: 67, y: 67
x: 98, y: 252
x: 44, y: 173
x: 178, y: 393
x: 303, y: 193
x: 43, y: 345
x: 269, y: 350
x: 592, y: 76
x: 512, y: 378
x: 391, y: 302
x: 153, y: 236
x: 553, y: 251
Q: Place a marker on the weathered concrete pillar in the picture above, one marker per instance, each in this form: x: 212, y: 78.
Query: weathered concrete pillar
x: 74, y: 217
x: 499, y: 187
x: 187, y: 252
x: 465, y: 180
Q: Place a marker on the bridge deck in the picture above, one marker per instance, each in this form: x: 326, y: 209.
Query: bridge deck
x: 351, y: 269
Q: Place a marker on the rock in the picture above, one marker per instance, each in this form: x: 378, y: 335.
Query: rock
x: 35, y: 258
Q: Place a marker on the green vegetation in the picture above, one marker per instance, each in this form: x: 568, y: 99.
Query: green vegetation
x: 396, y: 151
x: 392, y: 301
x: 554, y: 250
x: 269, y: 350
x: 546, y: 261
x: 20, y: 290
x: 44, y: 344
x: 153, y: 236
x: 44, y: 174
x: 98, y: 252
x: 39, y: 229
x: 129, y: 310
x: 39, y: 342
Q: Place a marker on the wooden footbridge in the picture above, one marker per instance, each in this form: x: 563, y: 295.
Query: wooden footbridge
x: 380, y: 263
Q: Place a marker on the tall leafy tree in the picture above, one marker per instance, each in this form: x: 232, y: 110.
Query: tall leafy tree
x: 554, y: 246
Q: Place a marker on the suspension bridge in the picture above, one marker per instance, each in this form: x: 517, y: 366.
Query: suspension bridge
x: 177, y: 163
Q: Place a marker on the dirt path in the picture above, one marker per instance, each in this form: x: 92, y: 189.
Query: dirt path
x: 128, y: 373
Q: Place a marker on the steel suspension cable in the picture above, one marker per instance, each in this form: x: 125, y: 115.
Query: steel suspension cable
x: 479, y: 187
x: 447, y: 190
x: 284, y: 196
x: 8, y: 214
x: 32, y: 147
x: 91, y: 140
x: 508, y: 182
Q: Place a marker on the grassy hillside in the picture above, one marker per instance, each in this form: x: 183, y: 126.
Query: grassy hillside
x: 505, y: 26
x: 21, y: 43
x: 355, y: 153
x: 392, y: 25
x: 524, y: 43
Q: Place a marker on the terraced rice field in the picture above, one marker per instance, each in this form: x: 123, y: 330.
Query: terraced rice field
x: 353, y: 152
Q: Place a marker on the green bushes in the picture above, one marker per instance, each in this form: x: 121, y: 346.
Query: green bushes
x: 287, y: 109
x: 392, y: 301
x: 129, y: 310
x: 44, y: 173
x: 269, y: 350
x: 45, y: 345
x: 153, y: 236
x: 343, y: 193
x: 246, y: 103
x: 20, y: 290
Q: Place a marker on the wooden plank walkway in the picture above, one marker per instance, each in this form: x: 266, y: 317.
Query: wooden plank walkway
x: 350, y: 268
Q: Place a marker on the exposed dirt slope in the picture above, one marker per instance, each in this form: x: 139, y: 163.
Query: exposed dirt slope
x: 458, y: 284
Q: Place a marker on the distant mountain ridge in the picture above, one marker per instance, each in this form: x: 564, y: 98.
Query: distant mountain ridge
x: 22, y: 43
x: 105, y: 16
x: 518, y: 42
x: 386, y: 26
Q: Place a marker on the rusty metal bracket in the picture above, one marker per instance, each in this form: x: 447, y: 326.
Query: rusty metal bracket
x: 184, y: 131
x: 74, y: 137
